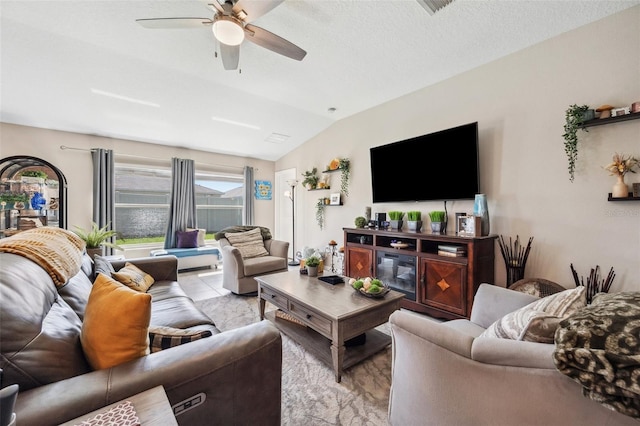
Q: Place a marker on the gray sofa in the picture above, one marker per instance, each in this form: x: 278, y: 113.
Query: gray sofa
x: 443, y: 374
x: 239, y: 371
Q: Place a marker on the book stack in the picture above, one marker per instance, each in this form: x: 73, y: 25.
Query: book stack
x: 451, y: 251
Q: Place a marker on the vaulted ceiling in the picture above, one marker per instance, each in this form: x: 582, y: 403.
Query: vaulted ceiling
x: 87, y: 66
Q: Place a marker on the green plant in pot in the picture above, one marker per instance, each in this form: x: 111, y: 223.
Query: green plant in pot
x: 8, y: 199
x: 360, y: 221
x: 574, y: 117
x: 414, y: 220
x: 437, y: 218
x: 311, y: 178
x: 97, y: 238
x: 395, y: 219
x: 312, y: 263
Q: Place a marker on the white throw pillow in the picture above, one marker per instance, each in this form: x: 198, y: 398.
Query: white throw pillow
x: 538, y: 321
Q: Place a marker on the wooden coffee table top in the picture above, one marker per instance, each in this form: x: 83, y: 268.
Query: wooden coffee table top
x: 336, y: 302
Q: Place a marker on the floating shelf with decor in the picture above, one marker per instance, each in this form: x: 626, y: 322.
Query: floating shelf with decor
x: 629, y: 198
x: 610, y: 120
x: 340, y: 165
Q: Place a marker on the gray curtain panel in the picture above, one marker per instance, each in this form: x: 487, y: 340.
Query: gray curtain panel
x: 248, y: 210
x: 104, y: 207
x: 182, y: 211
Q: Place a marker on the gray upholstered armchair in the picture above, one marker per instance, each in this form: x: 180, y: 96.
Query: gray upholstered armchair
x: 247, y: 252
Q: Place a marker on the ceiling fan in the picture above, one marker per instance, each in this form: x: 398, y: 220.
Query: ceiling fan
x: 231, y: 25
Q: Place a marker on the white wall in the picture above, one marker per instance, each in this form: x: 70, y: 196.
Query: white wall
x: 519, y: 103
x: 77, y: 167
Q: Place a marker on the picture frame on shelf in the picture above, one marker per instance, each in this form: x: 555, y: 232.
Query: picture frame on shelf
x: 334, y: 199
x: 469, y: 226
x: 636, y: 189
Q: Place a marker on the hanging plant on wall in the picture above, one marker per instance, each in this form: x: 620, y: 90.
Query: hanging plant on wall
x: 320, y: 212
x: 574, y: 116
x: 343, y: 165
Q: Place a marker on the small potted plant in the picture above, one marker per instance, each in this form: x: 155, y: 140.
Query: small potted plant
x: 311, y: 178
x: 395, y: 219
x: 13, y: 200
x: 97, y: 238
x: 437, y: 219
x: 33, y: 176
x: 360, y: 222
x: 312, y: 263
x: 414, y: 220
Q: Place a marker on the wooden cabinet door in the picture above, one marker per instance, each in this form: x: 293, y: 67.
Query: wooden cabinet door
x: 443, y: 285
x: 359, y: 262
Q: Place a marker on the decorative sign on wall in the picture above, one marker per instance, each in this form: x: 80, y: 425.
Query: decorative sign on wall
x: 263, y: 190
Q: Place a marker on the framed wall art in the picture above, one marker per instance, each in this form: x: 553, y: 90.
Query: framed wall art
x: 334, y: 199
x: 469, y: 226
x: 263, y: 189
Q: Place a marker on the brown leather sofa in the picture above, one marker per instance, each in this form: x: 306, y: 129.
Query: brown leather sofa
x: 239, y: 371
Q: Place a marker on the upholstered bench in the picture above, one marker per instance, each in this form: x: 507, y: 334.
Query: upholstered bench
x: 190, y: 258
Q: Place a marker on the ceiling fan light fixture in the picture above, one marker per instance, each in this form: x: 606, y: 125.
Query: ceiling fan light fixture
x: 228, y: 30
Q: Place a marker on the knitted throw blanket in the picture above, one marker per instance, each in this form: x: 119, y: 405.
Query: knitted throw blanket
x: 599, y: 347
x: 265, y: 232
x: 56, y: 250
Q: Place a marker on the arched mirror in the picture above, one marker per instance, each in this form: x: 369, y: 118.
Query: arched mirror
x: 33, y: 193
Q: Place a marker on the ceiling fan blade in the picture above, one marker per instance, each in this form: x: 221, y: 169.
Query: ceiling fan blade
x: 253, y: 9
x: 215, y: 6
x: 275, y: 43
x: 230, y: 56
x: 171, y: 23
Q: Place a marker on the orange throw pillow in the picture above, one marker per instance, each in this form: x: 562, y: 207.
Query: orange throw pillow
x: 116, y: 324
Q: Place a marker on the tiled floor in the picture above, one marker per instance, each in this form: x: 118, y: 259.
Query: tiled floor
x: 202, y: 283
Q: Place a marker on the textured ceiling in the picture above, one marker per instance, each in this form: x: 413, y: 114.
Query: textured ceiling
x: 59, y: 58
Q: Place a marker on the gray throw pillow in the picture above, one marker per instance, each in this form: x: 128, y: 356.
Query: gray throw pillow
x: 102, y: 266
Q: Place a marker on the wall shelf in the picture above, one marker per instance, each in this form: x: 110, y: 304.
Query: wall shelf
x: 610, y: 120
x: 629, y: 198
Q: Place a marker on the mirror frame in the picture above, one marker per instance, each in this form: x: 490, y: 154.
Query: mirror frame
x: 14, y: 163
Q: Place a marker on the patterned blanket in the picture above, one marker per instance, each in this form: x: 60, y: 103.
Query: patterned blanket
x: 56, y: 250
x: 266, y: 233
x: 599, y: 347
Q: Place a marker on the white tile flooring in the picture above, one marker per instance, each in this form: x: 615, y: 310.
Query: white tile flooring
x: 202, y: 284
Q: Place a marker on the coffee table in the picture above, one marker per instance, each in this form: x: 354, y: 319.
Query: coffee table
x: 329, y: 316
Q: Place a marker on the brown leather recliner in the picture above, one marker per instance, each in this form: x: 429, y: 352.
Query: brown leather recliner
x: 239, y: 371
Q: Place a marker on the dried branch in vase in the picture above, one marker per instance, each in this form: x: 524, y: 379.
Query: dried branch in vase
x: 594, y: 284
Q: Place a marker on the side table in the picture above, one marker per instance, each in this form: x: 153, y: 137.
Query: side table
x: 152, y: 408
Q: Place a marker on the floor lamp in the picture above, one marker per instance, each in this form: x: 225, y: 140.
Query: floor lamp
x: 292, y: 197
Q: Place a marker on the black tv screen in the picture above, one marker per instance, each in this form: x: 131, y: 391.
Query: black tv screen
x: 437, y: 166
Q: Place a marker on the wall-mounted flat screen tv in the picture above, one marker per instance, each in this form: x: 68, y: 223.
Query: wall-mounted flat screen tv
x: 436, y: 166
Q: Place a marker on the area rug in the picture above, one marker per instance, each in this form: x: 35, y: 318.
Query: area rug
x: 310, y: 394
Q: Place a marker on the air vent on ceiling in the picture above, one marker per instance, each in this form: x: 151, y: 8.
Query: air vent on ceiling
x: 432, y: 6
x: 277, y: 138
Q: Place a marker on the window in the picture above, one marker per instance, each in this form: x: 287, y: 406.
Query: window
x: 143, y: 196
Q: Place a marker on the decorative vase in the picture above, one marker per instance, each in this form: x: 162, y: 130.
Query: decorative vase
x: 436, y: 227
x: 395, y: 224
x: 312, y: 271
x: 38, y: 201
x: 414, y: 225
x: 481, y: 209
x: 620, y: 189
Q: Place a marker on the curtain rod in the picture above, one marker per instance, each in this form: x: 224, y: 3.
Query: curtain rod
x: 63, y: 147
